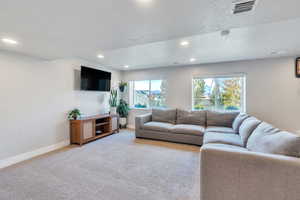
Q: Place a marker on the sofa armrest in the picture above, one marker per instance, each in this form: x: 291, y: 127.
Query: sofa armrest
x: 228, y: 174
x: 141, y: 120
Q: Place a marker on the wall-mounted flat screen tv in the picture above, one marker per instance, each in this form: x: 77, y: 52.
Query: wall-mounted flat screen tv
x: 95, y: 80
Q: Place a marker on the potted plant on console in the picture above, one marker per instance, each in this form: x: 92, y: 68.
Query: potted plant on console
x: 74, y: 114
x: 122, y: 86
x: 113, y: 101
x: 123, y: 110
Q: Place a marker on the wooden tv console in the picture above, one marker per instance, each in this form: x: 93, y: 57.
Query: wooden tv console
x: 90, y: 128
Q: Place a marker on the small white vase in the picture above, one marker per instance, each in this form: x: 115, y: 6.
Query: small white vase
x: 113, y: 110
x: 123, y: 121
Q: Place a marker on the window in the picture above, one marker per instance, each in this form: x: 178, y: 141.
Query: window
x: 147, y: 93
x: 219, y: 93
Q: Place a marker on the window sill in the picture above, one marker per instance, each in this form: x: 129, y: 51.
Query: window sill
x: 143, y: 109
x: 211, y: 109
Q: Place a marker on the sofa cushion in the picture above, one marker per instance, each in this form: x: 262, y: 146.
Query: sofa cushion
x: 222, y: 138
x: 238, y: 121
x: 158, y: 126
x: 225, y: 119
x: 164, y: 115
x: 220, y: 129
x: 247, y: 127
x: 267, y: 139
x: 188, y: 129
x: 191, y: 117
x: 225, y: 147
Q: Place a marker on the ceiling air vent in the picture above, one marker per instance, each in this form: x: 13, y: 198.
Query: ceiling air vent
x: 244, y: 6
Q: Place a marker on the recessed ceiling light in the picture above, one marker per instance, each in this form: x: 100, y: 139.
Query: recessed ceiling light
x: 192, y: 59
x: 100, y: 56
x: 126, y: 66
x: 144, y: 1
x: 9, y: 41
x: 185, y: 43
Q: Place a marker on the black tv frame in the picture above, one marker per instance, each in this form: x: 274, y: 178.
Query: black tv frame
x: 97, y: 75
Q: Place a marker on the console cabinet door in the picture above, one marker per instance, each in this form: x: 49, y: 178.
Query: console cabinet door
x: 88, y: 130
x: 115, y: 123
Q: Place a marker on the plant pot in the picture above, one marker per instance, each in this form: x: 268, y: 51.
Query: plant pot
x: 123, y: 121
x: 113, y: 110
x: 75, y: 117
x: 122, y: 88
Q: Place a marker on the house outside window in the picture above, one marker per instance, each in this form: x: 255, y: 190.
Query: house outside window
x: 220, y: 93
x: 147, y: 94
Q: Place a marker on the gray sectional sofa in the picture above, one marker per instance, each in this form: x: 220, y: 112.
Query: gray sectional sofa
x: 242, y: 157
x: 183, y: 126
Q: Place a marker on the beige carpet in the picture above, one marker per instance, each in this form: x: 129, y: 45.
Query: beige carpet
x: 118, y: 167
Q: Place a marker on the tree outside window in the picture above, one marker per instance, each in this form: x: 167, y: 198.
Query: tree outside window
x: 219, y: 93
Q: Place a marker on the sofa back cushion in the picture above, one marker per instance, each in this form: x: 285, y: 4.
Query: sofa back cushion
x: 164, y: 115
x: 247, y: 127
x: 238, y: 121
x: 267, y: 139
x: 224, y: 119
x: 191, y: 117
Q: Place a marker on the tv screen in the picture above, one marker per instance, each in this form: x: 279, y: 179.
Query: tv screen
x: 95, y: 80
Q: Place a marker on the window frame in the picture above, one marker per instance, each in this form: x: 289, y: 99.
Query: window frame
x: 240, y: 75
x: 131, y: 93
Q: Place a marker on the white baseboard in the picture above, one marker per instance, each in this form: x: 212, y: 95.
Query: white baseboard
x: 28, y: 155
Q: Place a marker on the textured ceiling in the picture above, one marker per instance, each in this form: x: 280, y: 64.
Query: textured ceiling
x: 260, y: 41
x: 141, y: 35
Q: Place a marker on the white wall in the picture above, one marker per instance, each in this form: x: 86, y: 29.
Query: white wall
x: 272, y: 91
x: 35, y: 97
